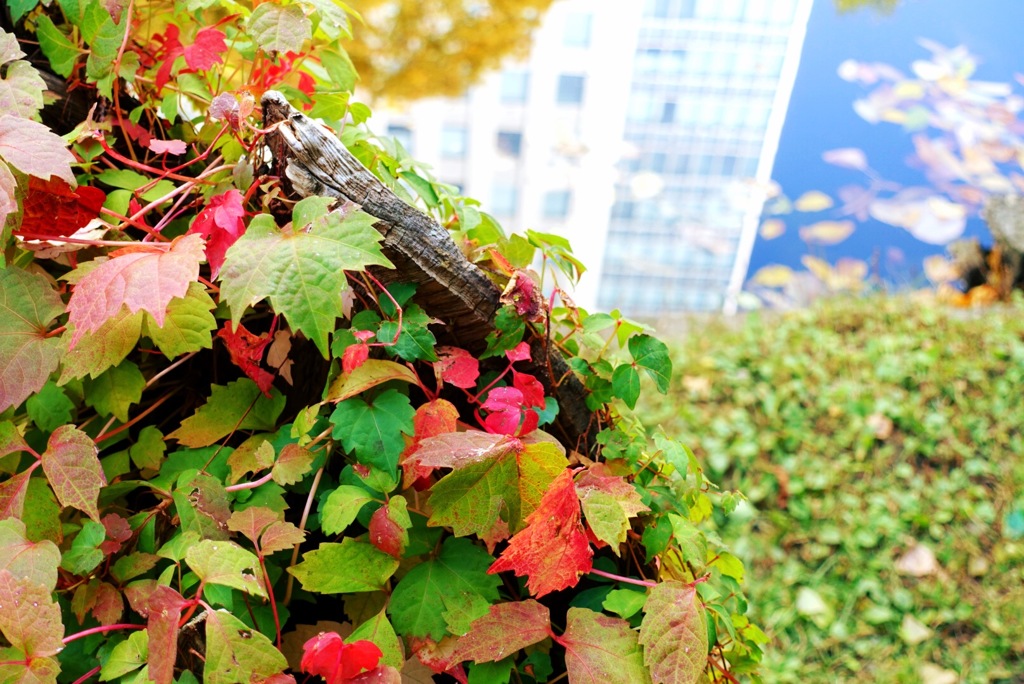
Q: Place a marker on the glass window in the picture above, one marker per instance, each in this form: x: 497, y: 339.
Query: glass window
x: 658, y: 8
x: 668, y: 112
x: 510, y: 143
x: 556, y: 204
x: 577, y: 30
x: 403, y: 134
x: 453, y: 140
x: 729, y: 165
x: 504, y: 198
x: 570, y: 89
x: 514, y: 86
x: 647, y: 60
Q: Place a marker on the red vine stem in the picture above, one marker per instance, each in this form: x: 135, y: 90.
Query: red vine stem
x: 249, y: 485
x: 84, y: 678
x: 620, y: 578
x: 99, y: 630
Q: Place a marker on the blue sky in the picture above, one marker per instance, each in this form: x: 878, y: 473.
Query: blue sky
x: 821, y: 115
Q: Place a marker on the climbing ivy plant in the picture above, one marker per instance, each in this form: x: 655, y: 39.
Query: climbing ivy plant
x: 229, y: 453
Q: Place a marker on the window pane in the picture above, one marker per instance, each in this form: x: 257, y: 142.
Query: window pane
x: 504, y: 199
x: 514, y: 85
x: 403, y: 134
x: 577, y: 30
x: 570, y: 89
x: 556, y: 204
x: 453, y: 141
x: 510, y: 143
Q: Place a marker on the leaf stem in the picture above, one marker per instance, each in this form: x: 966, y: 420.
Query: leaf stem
x: 620, y: 578
x: 88, y: 675
x: 302, y: 528
x: 100, y: 630
x: 249, y: 485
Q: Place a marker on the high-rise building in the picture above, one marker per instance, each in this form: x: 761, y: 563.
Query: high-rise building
x: 644, y: 133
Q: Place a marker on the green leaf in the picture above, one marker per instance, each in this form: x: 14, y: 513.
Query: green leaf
x: 128, y: 656
x: 626, y: 384
x: 445, y: 594
x: 239, y: 405
x: 279, y: 29
x: 101, y: 349
x: 57, y: 47
x: 19, y: 8
x: 674, y: 634
x: 599, y: 649
x: 236, y: 653
x: 303, y: 273
x: 379, y: 630
x: 373, y: 431
x: 507, y: 487
x: 187, y: 324
x: 348, y: 567
x: 227, y: 564
x: 415, y: 341
x: 113, y: 392
x: 73, y: 469
x: 149, y: 448
x: 49, y: 408
x: 28, y: 304
x: 651, y: 354
x: 85, y: 554
x: 509, y: 329
x: 342, y: 507
x: 103, y: 49
x: 625, y: 602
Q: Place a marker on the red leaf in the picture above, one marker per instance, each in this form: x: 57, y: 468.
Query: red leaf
x: 521, y: 352
x: 171, y: 50
x: 524, y: 294
x: 136, y: 132
x: 167, y: 146
x: 386, y: 534
x: 533, y: 391
x: 507, y: 415
x: 220, y: 222
x: 457, y: 367
x: 354, y: 356
x: 439, y: 657
x: 246, y: 351
x: 54, y: 209
x: 334, y: 660
x: 207, y: 49
x: 73, y: 469
x: 12, y: 495
x: 552, y: 550
x: 118, y: 532
x: 434, y: 418
x: 141, y: 277
x: 108, y: 605
x: 505, y: 629
x: 163, y: 608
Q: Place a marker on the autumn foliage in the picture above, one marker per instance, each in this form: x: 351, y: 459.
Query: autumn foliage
x: 230, y: 453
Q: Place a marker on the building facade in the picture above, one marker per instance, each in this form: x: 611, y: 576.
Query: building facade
x: 644, y: 133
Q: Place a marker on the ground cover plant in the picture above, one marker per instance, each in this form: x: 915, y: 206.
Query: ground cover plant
x: 250, y: 433
x: 880, y: 443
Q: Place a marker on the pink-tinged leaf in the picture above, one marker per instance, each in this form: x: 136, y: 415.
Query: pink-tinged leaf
x: 609, y: 502
x: 532, y: 389
x: 162, y: 606
x: 34, y: 149
x: 33, y: 561
x: 73, y: 469
x: 246, y: 351
x: 846, y: 157
x: 674, y: 634
x: 108, y: 605
x: 28, y: 303
x: 506, y: 412
x: 293, y: 462
x: 354, y: 356
x: 280, y: 536
x: 168, y: 146
x: 523, y: 293
x: 224, y: 106
x: 439, y: 657
x: 434, y: 418
x: 502, y: 399
x: 382, y: 674
x: 521, y: 352
x: 457, y: 367
x: 118, y: 531
x: 11, y: 440
x: 12, y: 495
x: 252, y: 521
x: 141, y: 277
x: 460, y: 449
x: 505, y: 629
x: 35, y: 628
x: 38, y: 671
x: 600, y: 648
x: 328, y: 656
x: 220, y: 222
x: 206, y: 50
x: 552, y: 551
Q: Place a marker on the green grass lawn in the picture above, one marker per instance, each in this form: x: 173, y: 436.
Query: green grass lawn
x: 881, y: 445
